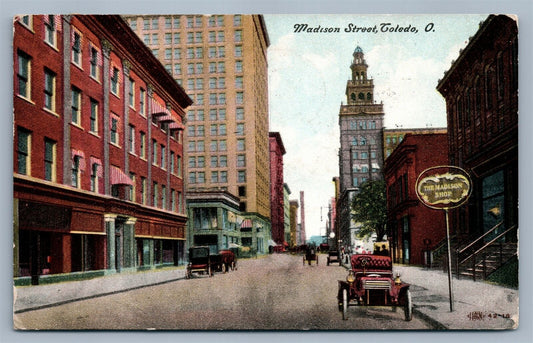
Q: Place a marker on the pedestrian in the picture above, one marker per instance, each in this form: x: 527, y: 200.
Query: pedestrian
x: 377, y: 251
x: 384, y: 250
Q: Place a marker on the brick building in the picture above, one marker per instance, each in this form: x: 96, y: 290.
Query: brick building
x: 481, y: 93
x: 98, y: 152
x: 277, y: 199
x: 410, y: 222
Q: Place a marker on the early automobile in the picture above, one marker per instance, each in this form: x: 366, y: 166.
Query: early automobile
x: 199, y: 261
x: 370, y: 282
x: 203, y: 262
x: 224, y: 261
x: 310, y: 255
x: 334, y: 256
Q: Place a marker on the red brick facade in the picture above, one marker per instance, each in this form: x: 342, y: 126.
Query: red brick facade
x: 277, y: 207
x: 98, y: 181
x: 410, y: 222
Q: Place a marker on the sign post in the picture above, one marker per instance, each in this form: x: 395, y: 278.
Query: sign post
x: 443, y: 188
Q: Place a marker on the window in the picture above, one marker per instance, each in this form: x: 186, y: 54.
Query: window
x: 163, y: 197
x: 24, y: 75
x: 168, y: 23
x: 241, y: 160
x: 94, y: 62
x: 23, y: 151
x: 222, y: 83
x: 238, y: 82
x: 168, y: 54
x: 94, y: 177
x: 76, y: 48
x: 500, y: 75
x: 223, y: 176
x: 168, y: 38
x: 200, y: 116
x: 176, y: 22
x: 143, y: 190
x: 114, y: 130
x: 94, y: 116
x: 132, y: 188
x: 221, y: 67
x: 179, y: 166
x: 154, y: 152
x: 163, y: 157
x: 146, y: 24
x: 238, y: 66
x: 240, y: 145
x: 49, y: 160
x: 27, y: 20
x: 213, y: 146
x: 76, y: 106
x: 114, y: 81
x: 172, y: 158
x: 49, y: 90
x: 212, y: 67
x: 238, y: 51
x: 198, y: 38
x: 177, y: 68
x: 239, y: 113
x: 201, y: 177
x: 142, y: 145
x: 131, y: 94
x: 241, y: 176
x: 76, y: 171
x: 155, y: 194
x: 239, y: 98
x: 50, y: 29
x: 192, y: 177
x: 237, y: 20
x: 240, y: 129
x: 238, y: 35
x: 190, y: 38
x: 173, y: 200
x: 199, y: 68
x: 201, y: 162
x: 131, y: 139
x: 212, y: 99
x: 177, y: 52
x: 155, y: 39
x: 200, y: 146
x: 142, y: 101
x: 223, y: 161
x: 214, y: 177
x: 180, y: 202
x: 221, y: 51
x: 146, y: 39
x: 222, y: 129
x: 220, y: 36
x: 200, y: 131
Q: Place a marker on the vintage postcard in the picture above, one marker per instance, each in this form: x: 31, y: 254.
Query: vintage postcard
x: 265, y: 172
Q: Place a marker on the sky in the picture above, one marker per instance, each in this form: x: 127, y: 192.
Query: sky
x: 307, y: 83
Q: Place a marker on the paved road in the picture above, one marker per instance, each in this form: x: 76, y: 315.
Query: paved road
x: 274, y: 292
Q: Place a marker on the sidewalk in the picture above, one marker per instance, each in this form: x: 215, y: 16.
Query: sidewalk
x: 34, y: 297
x: 475, y: 303
x: 476, y: 306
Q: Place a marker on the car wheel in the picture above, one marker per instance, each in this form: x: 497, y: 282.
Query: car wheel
x: 344, y: 304
x: 408, y: 308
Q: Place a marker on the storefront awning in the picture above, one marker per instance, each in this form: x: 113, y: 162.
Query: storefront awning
x: 246, y: 224
x: 158, y: 109
x: 167, y: 118
x: 118, y: 177
x: 176, y: 126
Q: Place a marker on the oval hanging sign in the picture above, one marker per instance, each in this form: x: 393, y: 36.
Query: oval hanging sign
x: 443, y: 187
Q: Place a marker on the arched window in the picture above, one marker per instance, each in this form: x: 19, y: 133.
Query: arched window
x: 488, y: 87
x: 357, y: 75
x: 354, y: 141
x: 353, y: 96
x: 362, y: 141
x: 368, y: 96
x: 362, y: 75
x: 361, y: 96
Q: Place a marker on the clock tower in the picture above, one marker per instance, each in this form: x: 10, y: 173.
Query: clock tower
x: 361, y: 138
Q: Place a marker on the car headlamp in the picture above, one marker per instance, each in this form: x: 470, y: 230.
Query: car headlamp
x: 351, y: 277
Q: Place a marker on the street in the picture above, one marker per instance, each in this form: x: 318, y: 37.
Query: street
x: 276, y: 292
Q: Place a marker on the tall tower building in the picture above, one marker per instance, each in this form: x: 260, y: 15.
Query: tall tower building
x: 221, y: 61
x: 361, y: 138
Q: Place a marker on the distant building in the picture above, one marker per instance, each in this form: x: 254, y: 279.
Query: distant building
x: 98, y: 150
x: 277, y: 198
x: 393, y: 137
x: 361, y: 141
x: 409, y: 222
x: 287, y: 214
x: 294, y: 224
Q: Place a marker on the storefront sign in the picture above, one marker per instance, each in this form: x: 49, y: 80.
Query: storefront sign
x: 443, y: 187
